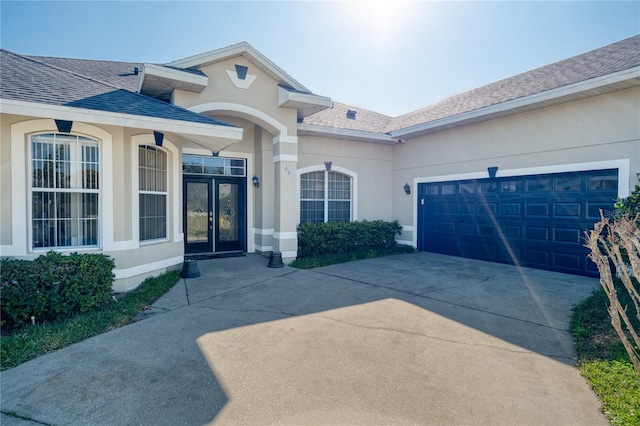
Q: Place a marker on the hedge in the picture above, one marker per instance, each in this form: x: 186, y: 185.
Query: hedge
x: 345, y: 237
x: 53, y: 286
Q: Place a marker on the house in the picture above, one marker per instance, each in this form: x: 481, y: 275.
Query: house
x: 225, y: 152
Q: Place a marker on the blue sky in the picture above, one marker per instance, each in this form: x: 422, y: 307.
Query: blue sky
x: 388, y: 56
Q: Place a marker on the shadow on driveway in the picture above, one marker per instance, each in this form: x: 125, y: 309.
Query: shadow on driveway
x: 419, y: 338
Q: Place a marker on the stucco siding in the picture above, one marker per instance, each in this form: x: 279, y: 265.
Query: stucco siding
x: 262, y: 95
x: 596, y: 129
x: 371, y: 162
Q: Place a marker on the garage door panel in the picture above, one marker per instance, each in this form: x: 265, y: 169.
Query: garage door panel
x: 571, y: 210
x: 537, y: 209
x: 537, y: 221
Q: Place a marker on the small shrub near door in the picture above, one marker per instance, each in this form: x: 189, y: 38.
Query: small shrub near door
x: 345, y: 237
x: 53, y: 286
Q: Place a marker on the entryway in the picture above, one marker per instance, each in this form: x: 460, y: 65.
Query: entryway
x: 214, y: 208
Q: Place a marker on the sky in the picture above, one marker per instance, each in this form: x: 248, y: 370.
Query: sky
x: 390, y: 56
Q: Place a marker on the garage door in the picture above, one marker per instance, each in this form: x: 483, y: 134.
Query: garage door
x: 536, y: 221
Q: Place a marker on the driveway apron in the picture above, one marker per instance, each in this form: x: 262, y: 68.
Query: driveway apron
x: 407, y: 339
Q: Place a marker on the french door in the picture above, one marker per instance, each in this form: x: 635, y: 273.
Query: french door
x: 214, y: 214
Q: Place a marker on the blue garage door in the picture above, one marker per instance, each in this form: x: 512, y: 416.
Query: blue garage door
x: 536, y: 221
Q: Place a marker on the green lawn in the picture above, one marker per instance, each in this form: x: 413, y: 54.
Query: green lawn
x: 603, y: 360
x: 32, y: 341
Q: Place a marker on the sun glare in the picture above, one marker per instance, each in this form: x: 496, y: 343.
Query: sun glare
x: 380, y: 20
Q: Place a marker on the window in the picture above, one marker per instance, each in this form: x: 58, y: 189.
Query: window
x: 325, y: 196
x: 152, y: 177
x: 65, y: 191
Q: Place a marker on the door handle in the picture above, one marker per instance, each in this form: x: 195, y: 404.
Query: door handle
x: 210, y: 220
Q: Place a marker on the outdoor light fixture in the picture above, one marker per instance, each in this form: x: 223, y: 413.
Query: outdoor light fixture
x: 256, y: 181
x: 407, y: 188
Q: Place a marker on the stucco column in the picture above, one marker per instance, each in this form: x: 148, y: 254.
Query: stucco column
x: 285, y: 162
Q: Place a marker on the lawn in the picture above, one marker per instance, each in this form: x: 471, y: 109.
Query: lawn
x: 603, y: 360
x: 29, y: 342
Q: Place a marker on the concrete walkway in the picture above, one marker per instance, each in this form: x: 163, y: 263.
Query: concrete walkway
x: 408, y: 339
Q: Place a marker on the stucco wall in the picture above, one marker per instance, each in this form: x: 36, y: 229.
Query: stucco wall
x: 370, y: 161
x: 262, y: 95
x: 134, y: 261
x: 599, y: 128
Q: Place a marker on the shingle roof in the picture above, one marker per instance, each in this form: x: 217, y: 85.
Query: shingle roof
x: 336, y: 116
x: 613, y: 58
x: 81, y: 84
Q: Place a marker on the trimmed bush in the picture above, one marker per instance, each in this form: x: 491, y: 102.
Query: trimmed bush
x: 54, y: 286
x: 345, y: 237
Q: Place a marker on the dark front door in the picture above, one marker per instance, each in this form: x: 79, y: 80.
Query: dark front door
x: 230, y: 215
x: 214, y: 215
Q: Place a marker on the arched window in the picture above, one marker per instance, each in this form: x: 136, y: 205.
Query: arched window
x: 65, y: 190
x: 152, y: 186
x: 325, y: 196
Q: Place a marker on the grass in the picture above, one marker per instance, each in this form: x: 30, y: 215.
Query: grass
x: 331, y: 259
x: 32, y: 341
x: 603, y: 360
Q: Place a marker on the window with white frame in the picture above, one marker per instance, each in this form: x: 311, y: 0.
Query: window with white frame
x: 65, y: 190
x: 152, y: 181
x: 325, y: 196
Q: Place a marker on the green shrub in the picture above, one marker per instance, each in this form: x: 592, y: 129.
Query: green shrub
x: 53, y: 286
x: 345, y: 237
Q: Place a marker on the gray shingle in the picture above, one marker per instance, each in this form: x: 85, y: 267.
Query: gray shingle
x: 609, y: 59
x: 28, y: 79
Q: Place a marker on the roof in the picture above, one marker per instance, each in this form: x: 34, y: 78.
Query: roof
x: 94, y: 85
x: 611, y: 59
x: 250, y: 53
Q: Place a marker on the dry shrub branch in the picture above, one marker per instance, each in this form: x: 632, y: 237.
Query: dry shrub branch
x: 617, y: 242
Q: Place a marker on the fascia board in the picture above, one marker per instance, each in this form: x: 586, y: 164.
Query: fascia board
x: 357, y: 135
x: 240, y: 49
x: 175, y: 75
x: 33, y: 109
x: 285, y: 96
x: 504, y: 107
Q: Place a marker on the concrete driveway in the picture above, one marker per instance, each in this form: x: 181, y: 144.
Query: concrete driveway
x: 408, y: 339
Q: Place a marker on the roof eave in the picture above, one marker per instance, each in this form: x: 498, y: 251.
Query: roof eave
x: 572, y: 92
x: 216, y: 136
x: 158, y: 81
x: 240, y: 49
x: 347, y: 134
x: 306, y: 103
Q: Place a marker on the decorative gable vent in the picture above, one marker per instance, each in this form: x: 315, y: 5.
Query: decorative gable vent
x: 241, y: 72
x: 351, y: 114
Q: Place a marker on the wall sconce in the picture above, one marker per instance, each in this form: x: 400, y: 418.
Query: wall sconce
x: 407, y: 189
x: 256, y: 181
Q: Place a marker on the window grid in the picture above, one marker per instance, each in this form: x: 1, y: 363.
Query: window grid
x: 325, y: 196
x: 64, y: 191
x: 152, y: 184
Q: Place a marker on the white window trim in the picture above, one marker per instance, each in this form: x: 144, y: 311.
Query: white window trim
x: 322, y: 168
x: 174, y: 185
x: 165, y: 193
x: 20, y: 182
x: 61, y: 191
